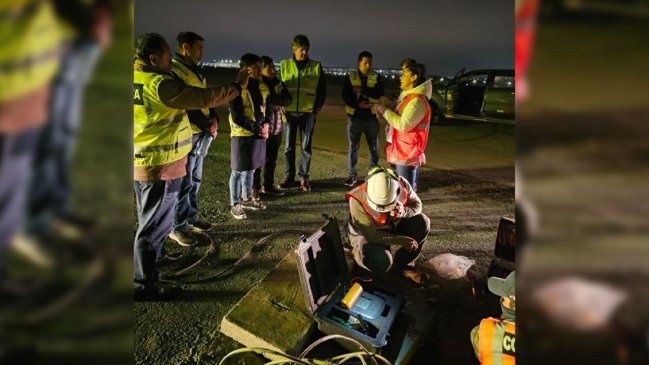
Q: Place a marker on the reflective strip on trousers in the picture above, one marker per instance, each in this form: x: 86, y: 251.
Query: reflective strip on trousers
x: 166, y: 147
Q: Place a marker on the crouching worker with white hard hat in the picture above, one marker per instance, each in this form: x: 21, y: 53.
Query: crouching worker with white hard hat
x: 385, y: 211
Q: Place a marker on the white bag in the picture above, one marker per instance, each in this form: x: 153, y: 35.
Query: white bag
x: 450, y: 266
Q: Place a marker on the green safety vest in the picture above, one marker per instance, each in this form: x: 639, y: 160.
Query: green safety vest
x: 301, y: 84
x: 248, y: 109
x: 160, y: 134
x: 265, y: 91
x: 355, y: 79
x: 31, y: 38
x: 190, y: 78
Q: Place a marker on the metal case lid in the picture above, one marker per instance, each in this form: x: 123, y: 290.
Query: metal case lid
x: 321, y: 263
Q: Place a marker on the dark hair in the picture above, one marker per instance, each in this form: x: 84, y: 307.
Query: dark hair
x: 265, y: 61
x: 301, y: 41
x: 148, y: 44
x: 248, y: 59
x: 187, y: 37
x: 364, y: 54
x: 415, y: 68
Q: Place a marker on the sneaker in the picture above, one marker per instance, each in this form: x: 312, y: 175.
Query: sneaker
x: 156, y: 293
x: 237, y: 212
x: 31, y: 248
x: 304, y: 184
x: 272, y: 191
x: 184, y: 239
x: 351, y: 181
x: 252, y: 205
x: 286, y: 183
x: 168, y: 259
x: 255, y: 195
x: 200, y: 226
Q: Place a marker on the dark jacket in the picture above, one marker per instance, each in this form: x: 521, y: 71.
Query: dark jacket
x: 350, y: 98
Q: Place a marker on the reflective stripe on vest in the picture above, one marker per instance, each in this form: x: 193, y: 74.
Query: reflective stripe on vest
x: 407, y: 147
x: 161, y: 134
x: 355, y: 79
x: 301, y: 84
x: 496, y: 342
x: 190, y: 78
x: 248, y: 110
x: 380, y: 219
x: 265, y: 91
x: 31, y: 38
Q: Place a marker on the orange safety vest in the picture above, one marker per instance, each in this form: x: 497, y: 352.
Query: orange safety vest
x: 497, y: 342
x: 380, y: 219
x: 407, y: 147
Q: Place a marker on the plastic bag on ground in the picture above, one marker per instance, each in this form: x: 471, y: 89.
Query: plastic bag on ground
x: 449, y: 266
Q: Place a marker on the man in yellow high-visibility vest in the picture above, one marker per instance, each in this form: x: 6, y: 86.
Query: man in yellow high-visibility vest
x: 204, y: 123
x: 494, y: 340
x: 305, y: 80
x: 162, y: 139
x: 362, y: 88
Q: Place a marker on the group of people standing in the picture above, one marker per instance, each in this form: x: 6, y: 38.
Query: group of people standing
x: 175, y: 121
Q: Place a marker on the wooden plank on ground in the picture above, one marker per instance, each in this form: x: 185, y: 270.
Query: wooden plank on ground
x: 273, y: 314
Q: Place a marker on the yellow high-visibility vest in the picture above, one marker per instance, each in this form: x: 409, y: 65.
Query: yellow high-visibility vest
x: 301, y: 84
x: 190, y: 78
x: 355, y: 79
x: 265, y: 91
x: 160, y: 134
x: 249, y: 110
x: 31, y: 37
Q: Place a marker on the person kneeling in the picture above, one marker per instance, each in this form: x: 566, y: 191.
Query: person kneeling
x: 384, y: 211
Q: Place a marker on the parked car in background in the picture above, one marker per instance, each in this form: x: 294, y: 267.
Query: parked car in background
x: 484, y: 95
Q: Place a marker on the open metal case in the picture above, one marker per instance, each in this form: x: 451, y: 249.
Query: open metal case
x: 324, y: 277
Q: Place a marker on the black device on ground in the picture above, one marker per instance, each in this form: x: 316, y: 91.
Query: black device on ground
x: 504, y: 259
x: 325, y: 282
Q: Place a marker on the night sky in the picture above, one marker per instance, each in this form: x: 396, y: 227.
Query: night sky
x: 445, y: 35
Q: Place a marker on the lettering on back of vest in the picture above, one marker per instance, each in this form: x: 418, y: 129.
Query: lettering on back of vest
x: 509, y: 344
x: 137, y: 94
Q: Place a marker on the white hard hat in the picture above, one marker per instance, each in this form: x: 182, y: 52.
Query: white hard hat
x: 382, y: 189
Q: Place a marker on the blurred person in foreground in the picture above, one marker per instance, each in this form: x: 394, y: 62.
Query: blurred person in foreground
x: 408, y: 124
x: 30, y: 58
x: 162, y: 140
x: 204, y: 124
x: 249, y: 130
x: 306, y: 82
x: 384, y: 211
x: 87, y: 28
x: 275, y: 97
x: 494, y: 340
x: 362, y: 88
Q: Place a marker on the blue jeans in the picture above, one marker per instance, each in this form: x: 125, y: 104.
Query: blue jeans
x: 306, y: 124
x: 187, y: 207
x: 240, y: 180
x: 155, y: 202
x: 16, y: 158
x: 50, y: 187
x: 409, y: 173
x: 356, y: 127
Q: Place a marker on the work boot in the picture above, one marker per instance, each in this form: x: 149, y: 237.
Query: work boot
x: 286, y: 183
x: 304, y: 184
x: 255, y: 195
x: 200, y: 226
x: 414, y: 275
x: 156, y: 293
x: 237, y: 212
x: 168, y: 259
x: 351, y: 181
x: 184, y: 239
x: 272, y: 191
x: 252, y: 205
